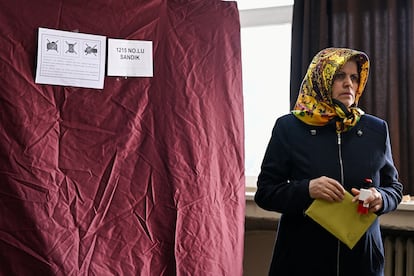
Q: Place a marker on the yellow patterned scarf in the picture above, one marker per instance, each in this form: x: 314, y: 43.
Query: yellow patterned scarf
x: 314, y: 105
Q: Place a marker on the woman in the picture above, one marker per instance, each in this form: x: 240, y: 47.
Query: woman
x: 325, y: 146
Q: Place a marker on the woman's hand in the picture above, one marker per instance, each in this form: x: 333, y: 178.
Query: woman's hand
x: 374, y: 200
x: 326, y: 188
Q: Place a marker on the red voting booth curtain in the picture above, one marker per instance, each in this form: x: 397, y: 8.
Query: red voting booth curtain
x: 143, y: 177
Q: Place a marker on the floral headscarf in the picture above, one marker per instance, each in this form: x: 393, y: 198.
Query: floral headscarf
x: 314, y: 105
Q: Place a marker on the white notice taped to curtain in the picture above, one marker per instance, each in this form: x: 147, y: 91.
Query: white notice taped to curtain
x: 130, y: 58
x: 70, y: 59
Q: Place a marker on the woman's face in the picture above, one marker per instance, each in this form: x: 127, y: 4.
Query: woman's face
x: 345, y: 84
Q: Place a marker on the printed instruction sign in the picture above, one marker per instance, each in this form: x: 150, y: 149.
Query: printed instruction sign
x: 70, y: 59
x: 130, y: 58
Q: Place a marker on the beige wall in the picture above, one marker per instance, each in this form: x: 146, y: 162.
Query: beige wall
x: 258, y: 247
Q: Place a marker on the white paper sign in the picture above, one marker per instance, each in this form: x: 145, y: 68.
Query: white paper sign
x: 70, y: 59
x: 130, y: 58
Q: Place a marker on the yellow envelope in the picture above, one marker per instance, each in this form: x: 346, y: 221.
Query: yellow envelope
x: 341, y: 219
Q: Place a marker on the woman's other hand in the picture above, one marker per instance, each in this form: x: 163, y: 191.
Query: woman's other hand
x: 374, y: 201
x: 326, y: 188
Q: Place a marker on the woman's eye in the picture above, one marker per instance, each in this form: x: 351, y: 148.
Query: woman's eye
x: 355, y: 78
x: 339, y: 76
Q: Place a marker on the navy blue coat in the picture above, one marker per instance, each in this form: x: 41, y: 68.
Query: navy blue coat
x: 297, y: 153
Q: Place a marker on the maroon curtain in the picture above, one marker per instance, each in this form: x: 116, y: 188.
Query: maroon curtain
x: 144, y: 177
x: 382, y: 29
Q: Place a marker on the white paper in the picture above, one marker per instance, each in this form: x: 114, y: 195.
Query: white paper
x: 364, y: 194
x: 70, y: 59
x: 130, y: 58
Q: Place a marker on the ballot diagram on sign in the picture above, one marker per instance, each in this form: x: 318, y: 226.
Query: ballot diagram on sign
x: 70, y: 59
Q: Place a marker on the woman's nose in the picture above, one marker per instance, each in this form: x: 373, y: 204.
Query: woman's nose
x: 348, y: 81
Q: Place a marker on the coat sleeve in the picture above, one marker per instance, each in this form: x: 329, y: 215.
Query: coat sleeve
x: 390, y: 187
x: 276, y: 191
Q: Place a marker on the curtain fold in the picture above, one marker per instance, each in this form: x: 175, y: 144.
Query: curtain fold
x: 382, y: 29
